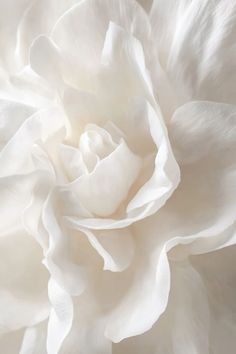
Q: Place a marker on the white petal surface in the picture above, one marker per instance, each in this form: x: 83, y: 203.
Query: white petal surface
x: 61, y: 317
x: 195, y: 44
x: 34, y: 340
x: 38, y: 18
x: 116, y: 247
x: 102, y: 191
x: 22, y: 301
x: 200, y: 317
x: 85, y: 41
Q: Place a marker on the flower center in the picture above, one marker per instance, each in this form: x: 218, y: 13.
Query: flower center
x: 102, y: 170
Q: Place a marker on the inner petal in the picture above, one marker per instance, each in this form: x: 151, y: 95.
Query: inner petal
x: 95, y: 144
x: 103, y: 190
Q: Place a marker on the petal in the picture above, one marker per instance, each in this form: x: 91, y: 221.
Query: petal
x: 22, y: 301
x: 123, y: 55
x: 166, y: 174
x: 34, y: 340
x: 206, y: 194
x: 136, y: 312
x: 61, y: 317
x: 65, y: 272
x: 184, y: 326
x: 87, y: 330
x: 11, y: 14
x: 82, y: 108
x: 192, y: 39
x: 218, y: 273
x: 38, y: 18
x: 16, y: 193
x: 116, y: 247
x: 51, y: 68
x: 72, y: 161
x: 103, y: 190
x: 84, y: 42
x: 201, y: 130
x: 26, y: 87
x: 22, y: 146
x: 16, y: 114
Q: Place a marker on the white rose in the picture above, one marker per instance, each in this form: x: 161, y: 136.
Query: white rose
x: 99, y: 99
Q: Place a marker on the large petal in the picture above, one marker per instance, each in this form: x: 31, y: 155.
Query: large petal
x: 85, y: 40
x: 201, y: 314
x: 12, y: 115
x: 10, y: 15
x: 206, y: 195
x: 86, y: 335
x: 38, y: 18
x: 23, y: 302
x: 183, y: 328
x: 24, y: 146
x: 196, y: 47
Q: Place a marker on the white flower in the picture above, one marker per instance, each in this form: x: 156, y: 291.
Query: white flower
x: 103, y: 106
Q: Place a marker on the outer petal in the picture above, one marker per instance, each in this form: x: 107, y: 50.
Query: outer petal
x: 201, y: 314
x: 22, y: 301
x: 24, y: 146
x: 85, y: 40
x: 11, y: 13
x: 12, y: 115
x: 196, y: 47
x: 145, y: 298
x: 38, y: 18
x: 86, y: 334
x: 208, y: 166
x: 183, y: 328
